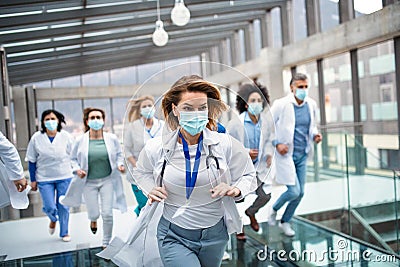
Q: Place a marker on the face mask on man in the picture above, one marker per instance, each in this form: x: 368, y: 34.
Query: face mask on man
x: 96, y: 124
x: 301, y: 93
x: 255, y: 108
x: 147, y: 112
x: 51, y: 125
x: 193, y: 122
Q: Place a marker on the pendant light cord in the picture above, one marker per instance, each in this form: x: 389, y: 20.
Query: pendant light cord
x: 158, y: 9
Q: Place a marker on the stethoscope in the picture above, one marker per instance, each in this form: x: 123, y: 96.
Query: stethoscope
x: 210, y: 157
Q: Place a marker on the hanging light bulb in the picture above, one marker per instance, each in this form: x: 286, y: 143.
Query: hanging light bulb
x: 180, y: 14
x: 160, y: 36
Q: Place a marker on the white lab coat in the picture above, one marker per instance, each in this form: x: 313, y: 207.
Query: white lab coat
x: 136, y: 136
x: 236, y: 129
x: 284, y: 118
x: 53, y: 159
x: 79, y: 156
x: 236, y: 167
x: 11, y: 170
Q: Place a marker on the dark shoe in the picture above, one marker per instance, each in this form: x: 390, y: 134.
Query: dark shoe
x: 253, y: 222
x: 241, y: 237
x: 93, y: 227
x: 52, y: 227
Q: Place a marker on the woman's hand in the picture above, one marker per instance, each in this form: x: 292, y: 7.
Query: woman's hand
x: 121, y: 168
x: 269, y: 161
x: 253, y: 154
x: 157, y: 194
x: 34, y: 186
x: 81, y: 173
x: 282, y: 149
x: 21, y: 184
x: 224, y: 190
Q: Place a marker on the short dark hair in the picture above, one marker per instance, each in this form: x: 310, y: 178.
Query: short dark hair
x: 59, y: 115
x: 298, y: 77
x: 245, y: 90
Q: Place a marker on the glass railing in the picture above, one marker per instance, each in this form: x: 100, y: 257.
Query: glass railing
x: 357, y: 181
x: 313, y: 245
x: 77, y: 258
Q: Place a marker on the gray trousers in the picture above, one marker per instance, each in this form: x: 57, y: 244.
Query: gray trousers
x: 260, y: 201
x: 191, y: 248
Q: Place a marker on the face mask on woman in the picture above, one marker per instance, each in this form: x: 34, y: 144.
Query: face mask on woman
x: 255, y: 108
x: 193, y: 122
x: 96, y: 124
x: 147, y: 112
x: 51, y: 125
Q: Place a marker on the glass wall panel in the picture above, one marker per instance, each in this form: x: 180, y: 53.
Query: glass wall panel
x: 42, y: 106
x: 329, y: 11
x: 174, y: 69
x: 145, y: 71
x: 119, y: 106
x: 276, y: 27
x: 125, y: 76
x: 338, y: 92
x: 73, y: 81
x: 96, y: 79
x: 73, y: 113
x: 378, y: 89
x: 363, y: 7
x: 299, y: 19
x: 257, y: 37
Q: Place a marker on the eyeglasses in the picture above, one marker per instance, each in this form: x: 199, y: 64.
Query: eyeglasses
x: 302, y: 86
x: 95, y: 117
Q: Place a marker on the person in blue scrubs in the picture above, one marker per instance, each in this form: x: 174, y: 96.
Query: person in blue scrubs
x: 50, y: 168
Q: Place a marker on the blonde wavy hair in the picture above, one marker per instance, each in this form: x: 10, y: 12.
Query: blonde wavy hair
x: 193, y: 83
x: 134, y: 112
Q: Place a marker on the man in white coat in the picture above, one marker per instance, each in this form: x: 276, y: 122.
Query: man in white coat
x: 295, y: 122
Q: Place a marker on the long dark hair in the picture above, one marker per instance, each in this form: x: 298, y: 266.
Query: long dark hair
x: 60, y: 117
x: 245, y: 90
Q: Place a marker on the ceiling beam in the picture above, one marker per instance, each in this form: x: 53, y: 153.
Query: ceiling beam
x: 216, y: 30
x: 201, y: 23
x: 115, y: 56
x: 126, y: 23
x: 85, y: 13
x: 29, y: 78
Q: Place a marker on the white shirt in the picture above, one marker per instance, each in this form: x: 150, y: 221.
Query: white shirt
x: 52, y: 158
x: 204, y: 211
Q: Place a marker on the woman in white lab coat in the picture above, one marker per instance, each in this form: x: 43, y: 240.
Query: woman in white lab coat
x: 202, y: 171
x: 12, y: 179
x: 98, y: 164
x: 142, y: 126
x: 255, y: 129
x: 50, y: 168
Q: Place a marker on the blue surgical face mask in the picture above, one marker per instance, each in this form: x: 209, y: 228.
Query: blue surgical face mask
x: 193, y: 122
x: 51, y: 125
x: 96, y: 124
x: 255, y: 108
x: 301, y: 93
x: 147, y: 112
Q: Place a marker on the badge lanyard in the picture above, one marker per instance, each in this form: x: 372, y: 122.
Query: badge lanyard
x: 149, y: 130
x: 191, y: 177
